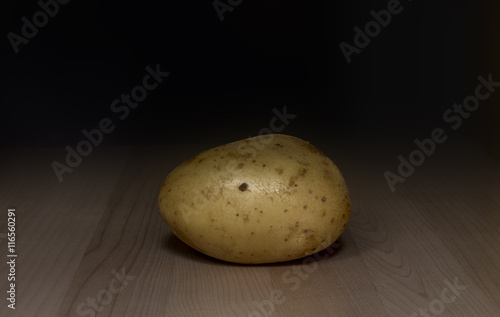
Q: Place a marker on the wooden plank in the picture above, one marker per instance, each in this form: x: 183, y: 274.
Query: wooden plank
x: 400, y: 253
x: 53, y: 221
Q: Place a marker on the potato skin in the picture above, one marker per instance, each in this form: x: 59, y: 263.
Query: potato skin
x: 266, y: 199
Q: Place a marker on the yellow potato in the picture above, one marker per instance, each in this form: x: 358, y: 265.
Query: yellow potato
x: 260, y: 200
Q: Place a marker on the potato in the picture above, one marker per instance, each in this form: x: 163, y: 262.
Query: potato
x: 266, y: 199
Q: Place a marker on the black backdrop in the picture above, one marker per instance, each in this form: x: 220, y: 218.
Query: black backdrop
x: 227, y: 76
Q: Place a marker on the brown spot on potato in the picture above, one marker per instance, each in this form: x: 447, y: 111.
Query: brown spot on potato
x: 323, y: 199
x: 285, y: 210
x: 303, y: 163
x: 253, y: 161
x: 310, y: 191
x: 240, y: 165
x: 263, y: 165
x: 237, y: 215
x: 251, y: 232
x: 343, y: 215
x: 243, y: 187
x: 286, y: 239
x: 332, y: 220
x: 324, y: 213
x: 169, y: 190
x: 278, y: 145
x: 302, y: 171
x: 261, y: 211
x: 238, y: 155
x: 279, y: 170
x: 305, y: 207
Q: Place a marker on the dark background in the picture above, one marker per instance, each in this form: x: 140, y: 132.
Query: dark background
x: 226, y: 77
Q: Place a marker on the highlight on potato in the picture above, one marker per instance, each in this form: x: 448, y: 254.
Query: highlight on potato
x: 241, y: 203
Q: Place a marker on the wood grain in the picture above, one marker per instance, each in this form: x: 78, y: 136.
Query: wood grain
x: 396, y: 258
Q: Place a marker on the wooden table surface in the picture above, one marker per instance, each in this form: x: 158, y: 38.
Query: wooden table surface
x: 95, y: 244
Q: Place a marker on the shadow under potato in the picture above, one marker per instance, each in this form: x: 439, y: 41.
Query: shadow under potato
x: 177, y: 246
